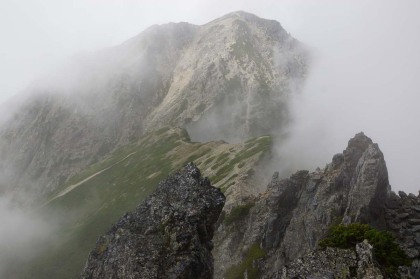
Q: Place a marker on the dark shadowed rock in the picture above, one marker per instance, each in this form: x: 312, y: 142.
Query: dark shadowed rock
x: 169, y: 235
x: 403, y: 221
x: 402, y: 194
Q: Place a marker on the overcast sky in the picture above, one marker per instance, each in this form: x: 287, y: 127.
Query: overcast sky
x: 365, y: 76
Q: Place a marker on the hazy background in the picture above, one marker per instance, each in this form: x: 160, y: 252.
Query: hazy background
x: 364, y: 77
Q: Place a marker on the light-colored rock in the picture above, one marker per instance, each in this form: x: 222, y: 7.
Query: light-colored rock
x: 228, y: 79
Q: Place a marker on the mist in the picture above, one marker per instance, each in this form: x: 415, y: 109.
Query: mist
x: 363, y: 76
x: 23, y: 235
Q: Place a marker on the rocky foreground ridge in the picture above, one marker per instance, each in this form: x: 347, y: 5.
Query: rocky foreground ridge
x: 288, y: 220
x: 294, y: 214
x: 169, y: 235
x: 273, y: 235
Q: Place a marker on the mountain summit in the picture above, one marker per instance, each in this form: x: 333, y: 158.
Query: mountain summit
x: 228, y: 79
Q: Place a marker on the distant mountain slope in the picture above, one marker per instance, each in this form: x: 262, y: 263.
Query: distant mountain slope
x: 229, y: 79
x: 90, y: 202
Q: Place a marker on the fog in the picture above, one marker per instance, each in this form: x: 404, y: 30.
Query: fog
x: 363, y: 77
x: 23, y: 234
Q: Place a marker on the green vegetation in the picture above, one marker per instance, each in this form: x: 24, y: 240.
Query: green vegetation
x: 222, y: 158
x: 385, y: 250
x: 237, y: 213
x: 252, y: 147
x: 193, y: 157
x: 128, y: 176
x: 122, y: 180
x: 209, y: 160
x: 247, y: 265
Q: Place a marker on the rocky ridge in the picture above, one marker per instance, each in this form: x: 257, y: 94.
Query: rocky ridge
x: 169, y: 235
x: 272, y: 235
x: 352, y: 188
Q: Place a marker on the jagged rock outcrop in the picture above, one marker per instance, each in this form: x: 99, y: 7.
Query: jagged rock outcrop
x: 169, y: 235
x: 293, y: 215
x: 403, y: 220
x: 333, y: 263
x: 229, y: 79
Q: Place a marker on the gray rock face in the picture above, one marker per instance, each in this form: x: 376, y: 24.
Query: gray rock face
x: 403, y: 220
x: 169, y: 235
x: 365, y: 265
x: 231, y: 76
x: 333, y: 263
x: 289, y: 219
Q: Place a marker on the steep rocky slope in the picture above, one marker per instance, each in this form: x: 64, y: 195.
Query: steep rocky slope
x: 289, y: 219
x: 169, y: 235
x: 272, y: 235
x: 229, y: 79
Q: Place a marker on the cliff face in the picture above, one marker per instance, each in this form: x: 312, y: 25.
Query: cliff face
x: 403, y: 220
x: 226, y: 80
x: 169, y: 235
x: 289, y: 219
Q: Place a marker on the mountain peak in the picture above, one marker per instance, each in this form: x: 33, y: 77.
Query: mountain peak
x: 270, y: 25
x: 243, y: 15
x: 360, y: 140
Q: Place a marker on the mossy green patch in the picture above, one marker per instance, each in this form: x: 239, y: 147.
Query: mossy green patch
x: 237, y: 213
x: 258, y: 146
x: 209, y: 160
x: 385, y: 250
x: 247, y: 265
